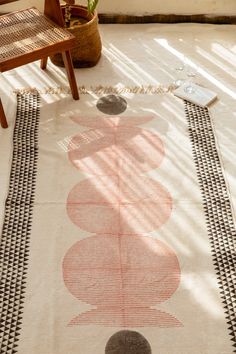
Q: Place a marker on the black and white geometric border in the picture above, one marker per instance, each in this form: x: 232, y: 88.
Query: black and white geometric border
x: 217, y: 208
x: 15, y: 238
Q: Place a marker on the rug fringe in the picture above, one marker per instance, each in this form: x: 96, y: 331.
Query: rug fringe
x: 99, y: 90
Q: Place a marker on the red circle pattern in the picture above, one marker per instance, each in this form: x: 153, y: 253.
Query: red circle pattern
x: 116, y: 150
x: 119, y: 270
x: 114, y: 205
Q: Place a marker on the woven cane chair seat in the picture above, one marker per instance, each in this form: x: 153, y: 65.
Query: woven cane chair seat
x: 26, y: 31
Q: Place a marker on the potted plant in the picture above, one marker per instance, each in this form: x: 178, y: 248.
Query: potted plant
x: 82, y: 22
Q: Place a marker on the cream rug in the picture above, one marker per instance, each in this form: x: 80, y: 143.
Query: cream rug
x: 120, y: 238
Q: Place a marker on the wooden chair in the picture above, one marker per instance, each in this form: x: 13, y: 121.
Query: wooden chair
x: 28, y: 35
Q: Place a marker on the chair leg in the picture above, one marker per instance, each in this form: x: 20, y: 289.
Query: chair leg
x: 3, y: 119
x: 70, y: 74
x: 43, y: 63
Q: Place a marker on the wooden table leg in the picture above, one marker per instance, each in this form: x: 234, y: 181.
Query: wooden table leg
x: 3, y: 119
x: 43, y: 63
x: 70, y: 73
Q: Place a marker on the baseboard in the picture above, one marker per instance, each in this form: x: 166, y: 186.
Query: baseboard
x: 162, y: 18
x: 166, y: 18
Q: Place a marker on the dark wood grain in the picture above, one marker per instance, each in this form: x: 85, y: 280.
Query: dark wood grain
x: 2, y: 2
x: 166, y: 18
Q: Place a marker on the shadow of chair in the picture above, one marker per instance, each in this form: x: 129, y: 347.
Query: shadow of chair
x: 28, y: 35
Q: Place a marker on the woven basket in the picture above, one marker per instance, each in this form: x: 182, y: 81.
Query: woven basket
x: 88, y: 49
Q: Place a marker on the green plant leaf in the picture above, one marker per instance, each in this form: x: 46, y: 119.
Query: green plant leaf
x: 92, y: 4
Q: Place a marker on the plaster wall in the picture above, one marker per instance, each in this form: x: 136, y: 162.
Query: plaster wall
x: 141, y: 7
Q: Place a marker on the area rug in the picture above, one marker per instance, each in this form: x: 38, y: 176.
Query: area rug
x: 118, y: 235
